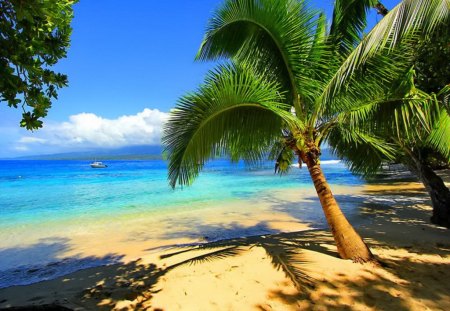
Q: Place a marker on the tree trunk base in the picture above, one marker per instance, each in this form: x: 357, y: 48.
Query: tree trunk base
x: 436, y: 188
x: 439, y: 194
x: 351, y: 246
x: 441, y: 213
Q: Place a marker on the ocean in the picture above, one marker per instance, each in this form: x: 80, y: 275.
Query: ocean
x: 44, y: 203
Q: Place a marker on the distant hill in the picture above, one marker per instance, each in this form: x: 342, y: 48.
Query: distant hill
x: 124, y: 153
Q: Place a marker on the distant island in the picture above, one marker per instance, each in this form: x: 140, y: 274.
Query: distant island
x: 141, y: 152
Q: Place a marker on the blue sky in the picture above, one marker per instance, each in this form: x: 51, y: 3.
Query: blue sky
x: 127, y: 65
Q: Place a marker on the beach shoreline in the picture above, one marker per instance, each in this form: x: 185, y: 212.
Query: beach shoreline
x: 248, y: 272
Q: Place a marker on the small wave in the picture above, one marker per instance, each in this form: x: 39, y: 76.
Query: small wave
x: 330, y: 162
x: 30, y: 274
x: 325, y: 162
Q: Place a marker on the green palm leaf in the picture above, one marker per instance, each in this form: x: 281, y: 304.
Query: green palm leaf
x: 408, y: 18
x: 234, y: 113
x: 371, y: 82
x: 349, y: 21
x: 439, y: 138
x: 276, y: 35
x: 362, y: 150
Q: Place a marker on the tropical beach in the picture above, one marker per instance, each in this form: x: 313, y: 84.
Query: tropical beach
x: 291, y: 266
x: 225, y: 155
x: 121, y: 211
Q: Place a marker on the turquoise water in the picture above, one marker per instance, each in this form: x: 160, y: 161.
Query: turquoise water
x: 36, y: 191
x: 40, y: 194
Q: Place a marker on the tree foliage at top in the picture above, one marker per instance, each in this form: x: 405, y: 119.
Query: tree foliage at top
x: 432, y: 62
x: 330, y: 76
x: 432, y: 67
x: 34, y: 36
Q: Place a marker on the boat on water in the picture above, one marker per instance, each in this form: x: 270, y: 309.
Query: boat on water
x: 97, y: 164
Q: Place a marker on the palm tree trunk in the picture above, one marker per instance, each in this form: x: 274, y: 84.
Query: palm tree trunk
x: 439, y: 193
x: 349, y: 244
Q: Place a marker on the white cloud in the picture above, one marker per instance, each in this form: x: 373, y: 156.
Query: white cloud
x: 30, y: 139
x: 21, y: 148
x: 89, y: 130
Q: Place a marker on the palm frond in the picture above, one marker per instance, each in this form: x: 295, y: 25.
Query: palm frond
x: 382, y: 97
x: 235, y: 113
x: 439, y: 138
x: 408, y: 112
x: 375, y: 133
x: 283, y: 156
x: 371, y: 82
x: 276, y: 35
x: 402, y: 118
x: 349, y: 21
x: 407, y: 117
x: 321, y: 29
x: 363, y: 151
x: 444, y: 97
x: 408, y: 18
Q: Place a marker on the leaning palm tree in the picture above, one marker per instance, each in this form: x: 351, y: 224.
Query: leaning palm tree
x: 291, y: 82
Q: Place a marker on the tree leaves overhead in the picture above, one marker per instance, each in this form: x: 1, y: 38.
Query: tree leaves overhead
x: 440, y: 134
x: 432, y: 61
x: 34, y: 36
x: 364, y: 152
x: 370, y: 83
x: 276, y: 36
x: 349, y: 21
x: 439, y: 138
x: 409, y: 17
x: 336, y: 81
x: 375, y: 85
x: 409, y: 120
x: 223, y: 118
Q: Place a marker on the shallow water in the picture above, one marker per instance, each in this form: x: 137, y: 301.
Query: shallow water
x: 54, y: 214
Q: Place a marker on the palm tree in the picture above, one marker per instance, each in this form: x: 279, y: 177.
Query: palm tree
x: 425, y: 138
x: 414, y: 153
x: 293, y: 82
x: 424, y: 130
x: 432, y: 63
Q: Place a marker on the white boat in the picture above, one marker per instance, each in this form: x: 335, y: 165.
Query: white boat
x: 97, y: 164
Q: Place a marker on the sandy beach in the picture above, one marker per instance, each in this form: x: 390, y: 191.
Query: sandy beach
x: 296, y: 268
